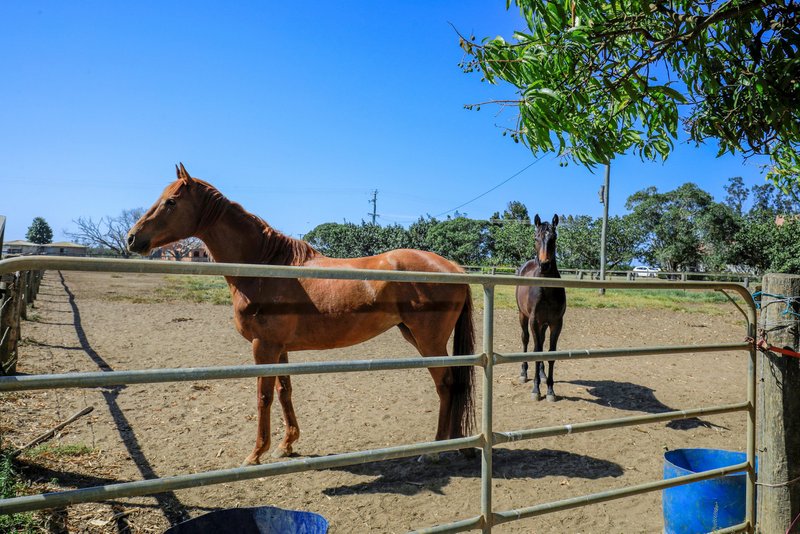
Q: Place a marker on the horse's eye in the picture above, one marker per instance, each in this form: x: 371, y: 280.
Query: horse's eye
x: 170, y: 202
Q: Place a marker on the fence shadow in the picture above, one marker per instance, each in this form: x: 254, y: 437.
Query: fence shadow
x: 173, y: 509
x: 635, y: 398
x: 409, y: 476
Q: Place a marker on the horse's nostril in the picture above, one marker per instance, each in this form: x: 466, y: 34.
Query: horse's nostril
x: 131, y: 239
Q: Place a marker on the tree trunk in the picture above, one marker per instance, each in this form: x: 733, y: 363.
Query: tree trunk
x: 778, y: 408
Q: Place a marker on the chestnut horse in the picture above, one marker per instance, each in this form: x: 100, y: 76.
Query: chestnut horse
x: 279, y: 315
x: 541, y: 307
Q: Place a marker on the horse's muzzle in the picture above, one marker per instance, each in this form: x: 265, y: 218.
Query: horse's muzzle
x: 139, y: 245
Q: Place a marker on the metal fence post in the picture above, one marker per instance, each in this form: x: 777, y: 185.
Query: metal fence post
x: 488, y: 373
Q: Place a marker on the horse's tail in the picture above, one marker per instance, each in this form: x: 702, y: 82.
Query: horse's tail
x: 462, y: 407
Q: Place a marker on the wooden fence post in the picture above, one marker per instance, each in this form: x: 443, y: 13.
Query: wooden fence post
x: 22, y: 295
x: 12, y: 302
x: 778, y: 407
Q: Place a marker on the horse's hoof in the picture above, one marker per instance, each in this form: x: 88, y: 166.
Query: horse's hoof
x: 468, y: 453
x: 536, y: 396
x: 280, y: 452
x: 432, y: 458
x: 250, y: 460
x: 551, y: 397
x: 523, y: 379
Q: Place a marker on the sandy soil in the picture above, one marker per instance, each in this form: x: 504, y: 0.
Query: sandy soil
x: 84, y: 322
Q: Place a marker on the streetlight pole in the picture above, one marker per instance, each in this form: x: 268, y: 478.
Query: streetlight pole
x: 604, y: 200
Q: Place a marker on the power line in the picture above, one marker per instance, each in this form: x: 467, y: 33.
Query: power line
x: 495, y: 187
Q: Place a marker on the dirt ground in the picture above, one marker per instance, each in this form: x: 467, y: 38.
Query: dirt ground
x: 81, y: 323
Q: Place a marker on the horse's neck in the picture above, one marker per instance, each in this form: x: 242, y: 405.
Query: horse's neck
x: 239, y: 237
x: 537, y: 270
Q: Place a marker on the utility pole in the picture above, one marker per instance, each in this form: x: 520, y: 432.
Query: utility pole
x: 374, y: 203
x: 604, y: 200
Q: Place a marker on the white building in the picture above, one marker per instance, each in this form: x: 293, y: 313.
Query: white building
x: 60, y: 248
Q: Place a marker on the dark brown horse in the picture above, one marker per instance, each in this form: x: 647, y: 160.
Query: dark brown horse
x: 282, y: 315
x: 541, y: 308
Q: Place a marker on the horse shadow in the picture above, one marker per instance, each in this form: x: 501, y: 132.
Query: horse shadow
x: 410, y: 476
x: 634, y: 398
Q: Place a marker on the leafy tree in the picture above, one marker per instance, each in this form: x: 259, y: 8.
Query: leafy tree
x: 717, y: 224
x: 595, y: 78
x: 579, y: 241
x: 736, y: 194
x: 510, y: 238
x: 785, y: 248
x: 39, y: 232
x: 770, y: 201
x: 418, y: 233
x: 460, y: 239
x: 515, y: 211
x: 513, y: 243
x: 109, y: 233
x: 752, y: 244
x: 684, y: 229
x: 349, y: 240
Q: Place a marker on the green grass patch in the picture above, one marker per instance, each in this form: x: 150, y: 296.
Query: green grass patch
x: 668, y: 299
x: 12, y: 485
x: 56, y: 450
x: 207, y: 289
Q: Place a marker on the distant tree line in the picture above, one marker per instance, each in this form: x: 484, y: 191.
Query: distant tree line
x: 680, y: 230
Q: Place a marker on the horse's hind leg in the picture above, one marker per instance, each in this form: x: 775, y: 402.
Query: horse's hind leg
x: 442, y: 377
x: 555, y: 331
x: 292, y: 433
x: 526, y: 336
x: 425, y: 338
x: 263, y: 354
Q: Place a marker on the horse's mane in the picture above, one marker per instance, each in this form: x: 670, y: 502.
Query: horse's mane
x: 275, y: 248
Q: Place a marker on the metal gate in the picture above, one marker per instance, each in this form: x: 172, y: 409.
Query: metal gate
x: 486, y: 360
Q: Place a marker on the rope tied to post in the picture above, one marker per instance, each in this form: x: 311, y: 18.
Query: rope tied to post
x: 763, y: 345
x: 787, y: 301
x: 791, y: 317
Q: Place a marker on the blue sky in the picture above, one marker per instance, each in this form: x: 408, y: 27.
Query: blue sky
x: 296, y: 110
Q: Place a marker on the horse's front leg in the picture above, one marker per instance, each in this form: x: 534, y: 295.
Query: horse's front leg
x: 538, y: 344
x: 555, y: 331
x: 526, y: 337
x: 263, y: 353
x: 284, y: 388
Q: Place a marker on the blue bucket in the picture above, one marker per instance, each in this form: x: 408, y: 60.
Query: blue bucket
x: 257, y: 520
x: 707, y: 505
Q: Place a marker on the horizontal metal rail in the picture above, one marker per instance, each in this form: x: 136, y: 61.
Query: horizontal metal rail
x: 606, y: 424
x: 278, y: 271
x: 159, y: 485
x: 153, y: 376
x: 583, y: 354
x: 603, y: 496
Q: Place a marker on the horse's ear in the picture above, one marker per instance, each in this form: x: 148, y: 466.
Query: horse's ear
x: 183, y: 174
x: 555, y: 219
x: 536, y: 220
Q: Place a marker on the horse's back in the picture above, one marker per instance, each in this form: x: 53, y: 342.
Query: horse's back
x: 403, y: 259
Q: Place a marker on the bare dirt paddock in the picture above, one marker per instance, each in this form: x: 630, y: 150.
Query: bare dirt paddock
x: 85, y: 322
